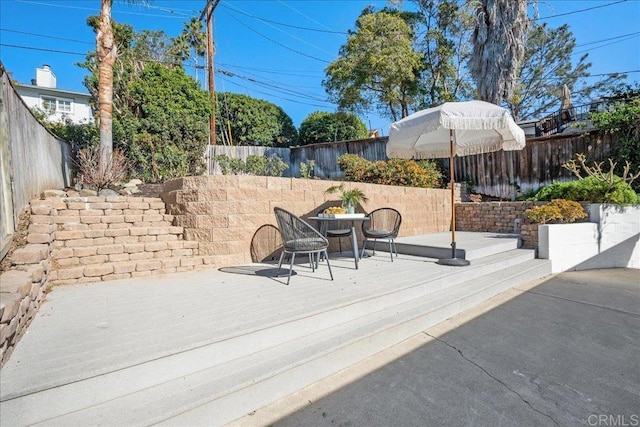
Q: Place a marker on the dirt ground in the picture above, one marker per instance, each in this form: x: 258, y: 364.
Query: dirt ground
x: 19, y: 239
x: 149, y: 190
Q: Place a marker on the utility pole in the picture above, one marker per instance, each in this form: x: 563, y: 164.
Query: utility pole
x: 208, y: 10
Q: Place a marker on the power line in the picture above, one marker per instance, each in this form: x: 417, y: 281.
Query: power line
x: 283, y: 24
x: 611, y: 38
x: 47, y: 36
x: 300, y: 40
x: 604, y: 45
x: 279, y: 97
x: 579, y: 11
x: 43, y: 49
x: 67, y: 6
x: 277, y: 43
x: 276, y: 85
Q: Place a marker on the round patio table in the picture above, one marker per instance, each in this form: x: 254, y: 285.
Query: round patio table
x: 352, y: 218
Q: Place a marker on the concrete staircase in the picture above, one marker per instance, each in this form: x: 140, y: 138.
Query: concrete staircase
x: 224, y: 379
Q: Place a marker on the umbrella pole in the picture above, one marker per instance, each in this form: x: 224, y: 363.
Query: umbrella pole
x: 453, y: 261
x: 452, y: 170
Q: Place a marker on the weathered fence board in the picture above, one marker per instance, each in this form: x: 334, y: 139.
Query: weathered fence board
x: 325, y: 155
x: 505, y: 173
x: 32, y: 159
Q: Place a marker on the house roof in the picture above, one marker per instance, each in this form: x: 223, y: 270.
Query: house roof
x: 52, y: 90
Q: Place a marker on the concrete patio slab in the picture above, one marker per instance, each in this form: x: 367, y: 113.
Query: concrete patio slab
x: 559, y: 351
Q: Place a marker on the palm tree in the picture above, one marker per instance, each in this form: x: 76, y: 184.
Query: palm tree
x: 196, y: 40
x: 498, y: 48
x: 107, y: 52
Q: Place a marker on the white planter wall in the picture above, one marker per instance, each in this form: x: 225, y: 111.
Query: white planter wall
x: 611, y: 239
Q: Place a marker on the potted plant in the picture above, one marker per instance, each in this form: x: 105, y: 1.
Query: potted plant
x: 350, y: 198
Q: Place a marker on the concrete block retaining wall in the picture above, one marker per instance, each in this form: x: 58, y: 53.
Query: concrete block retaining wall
x: 498, y: 217
x: 223, y: 212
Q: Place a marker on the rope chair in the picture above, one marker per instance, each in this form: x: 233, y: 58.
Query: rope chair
x: 298, y: 237
x: 384, y: 224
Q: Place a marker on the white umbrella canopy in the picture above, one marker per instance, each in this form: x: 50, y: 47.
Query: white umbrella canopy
x: 454, y: 129
x: 479, y: 127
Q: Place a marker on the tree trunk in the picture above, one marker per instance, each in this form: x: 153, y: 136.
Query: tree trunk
x: 498, y: 48
x: 107, y: 52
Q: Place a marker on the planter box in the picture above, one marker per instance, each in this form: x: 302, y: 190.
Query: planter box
x: 611, y: 239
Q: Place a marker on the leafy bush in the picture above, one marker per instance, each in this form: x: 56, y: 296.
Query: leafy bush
x: 322, y: 126
x: 402, y: 172
x: 564, y: 211
x: 624, y: 122
x: 590, y: 189
x: 163, y: 128
x: 254, y: 165
x: 307, y: 169
x: 249, y: 121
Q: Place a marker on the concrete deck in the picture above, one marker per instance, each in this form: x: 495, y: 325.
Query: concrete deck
x: 92, y: 349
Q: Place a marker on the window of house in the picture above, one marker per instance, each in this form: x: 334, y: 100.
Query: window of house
x: 64, y: 105
x: 49, y: 104
x: 60, y: 105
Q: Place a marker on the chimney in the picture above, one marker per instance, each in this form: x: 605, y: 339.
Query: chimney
x: 45, y: 77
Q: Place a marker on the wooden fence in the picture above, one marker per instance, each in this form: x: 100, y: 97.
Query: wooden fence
x: 503, y: 174
x: 325, y: 155
x: 31, y: 160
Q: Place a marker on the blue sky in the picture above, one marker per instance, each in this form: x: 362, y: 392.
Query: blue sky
x: 276, y: 49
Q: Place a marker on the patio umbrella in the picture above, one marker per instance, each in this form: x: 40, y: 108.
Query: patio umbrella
x: 566, y: 98
x: 454, y: 129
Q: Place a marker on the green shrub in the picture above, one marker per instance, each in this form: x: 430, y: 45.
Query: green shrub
x: 590, y: 189
x: 275, y: 166
x: 564, y: 211
x: 402, y: 172
x: 307, y: 169
x: 354, y: 167
x: 254, y: 165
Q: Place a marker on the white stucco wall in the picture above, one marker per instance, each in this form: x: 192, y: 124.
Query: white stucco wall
x: 80, y: 108
x: 611, y: 239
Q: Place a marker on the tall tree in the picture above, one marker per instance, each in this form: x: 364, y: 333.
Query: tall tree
x: 447, y: 27
x: 191, y: 43
x: 498, y: 47
x: 164, y: 125
x: 107, y: 52
x: 547, y: 66
x: 159, y: 113
x: 322, y: 126
x: 377, y: 67
x: 249, y: 121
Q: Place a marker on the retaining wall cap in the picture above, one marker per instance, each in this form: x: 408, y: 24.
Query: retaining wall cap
x: 54, y: 193
x: 11, y: 304
x: 14, y: 281
x: 30, y: 254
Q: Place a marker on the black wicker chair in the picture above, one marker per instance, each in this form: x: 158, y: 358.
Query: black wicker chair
x: 384, y: 223
x: 298, y: 237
